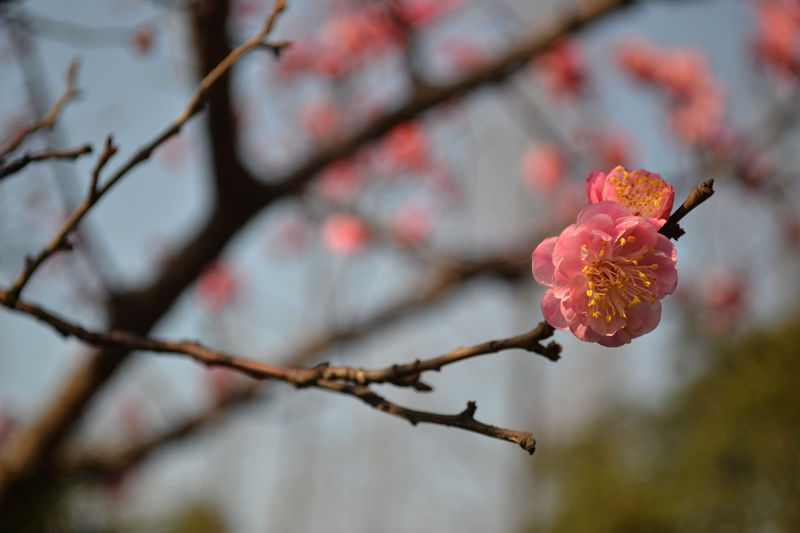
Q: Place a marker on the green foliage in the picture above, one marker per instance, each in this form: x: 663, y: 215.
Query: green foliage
x: 724, y: 456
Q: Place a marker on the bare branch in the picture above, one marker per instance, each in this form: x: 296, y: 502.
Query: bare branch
x: 194, y: 105
x: 320, y: 376
x: 108, y: 151
x: 49, y: 119
x: 408, y: 375
x: 698, y: 195
x: 464, y: 420
x: 21, y: 162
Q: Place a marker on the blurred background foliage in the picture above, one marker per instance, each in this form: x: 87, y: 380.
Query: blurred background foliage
x: 721, y: 456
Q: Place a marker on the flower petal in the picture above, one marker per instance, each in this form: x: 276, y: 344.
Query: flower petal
x: 542, y: 262
x: 551, y: 308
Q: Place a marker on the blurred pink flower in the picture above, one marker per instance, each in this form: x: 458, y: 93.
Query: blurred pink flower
x: 411, y: 225
x: 613, y: 149
x: 217, y: 286
x: 639, y: 59
x: 700, y: 120
x: 142, y: 40
x: 405, y: 148
x: 724, y: 300
x: 562, y: 69
x: 791, y: 228
x: 345, y: 234
x: 296, y: 59
x: 697, y: 101
x: 543, y: 168
x: 755, y: 166
x: 339, y: 182
x: 606, y: 275
x: 777, y: 41
x: 222, y: 383
x: 643, y: 193
x: 319, y: 120
x: 416, y: 13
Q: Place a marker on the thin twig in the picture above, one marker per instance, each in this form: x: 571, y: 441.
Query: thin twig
x: 21, y: 162
x: 464, y: 420
x: 699, y: 194
x: 408, y: 375
x: 108, y: 151
x: 319, y: 376
x: 49, y: 119
x: 194, y: 105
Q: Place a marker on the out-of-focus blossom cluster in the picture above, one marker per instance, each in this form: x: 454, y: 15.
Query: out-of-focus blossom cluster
x: 777, y: 40
x: 718, y: 300
x: 544, y: 167
x: 142, y: 40
x: 217, y: 286
x: 354, y: 37
x: 606, y: 274
x: 345, y: 234
x: 562, y: 70
x: 696, y: 99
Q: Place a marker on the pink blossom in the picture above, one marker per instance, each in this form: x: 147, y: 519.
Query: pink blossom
x: 563, y: 69
x: 613, y: 148
x: 605, y: 275
x: 217, y: 286
x: 345, y: 234
x: 543, y: 168
x: 223, y: 383
x: 699, y: 120
x: 777, y: 41
x: 142, y: 40
x: 411, y: 225
x: 724, y: 300
x: 791, y: 228
x: 406, y: 147
x: 297, y: 59
x: 416, y: 13
x: 319, y: 120
x: 643, y: 193
x: 755, y: 166
x: 639, y: 59
x: 338, y: 182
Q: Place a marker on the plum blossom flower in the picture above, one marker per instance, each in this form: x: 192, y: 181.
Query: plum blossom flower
x: 345, y: 234
x: 405, y: 148
x: 724, y: 300
x: 339, y: 182
x: 543, y: 168
x: 411, y: 225
x: 217, y: 286
x: 777, y: 41
x: 142, y: 40
x: 605, y: 275
x: 644, y: 193
x: 562, y: 69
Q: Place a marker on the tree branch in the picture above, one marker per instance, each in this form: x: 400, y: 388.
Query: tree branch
x: 49, y: 119
x: 699, y: 194
x: 21, y: 162
x: 140, y: 310
x: 32, y: 264
x: 322, y: 376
